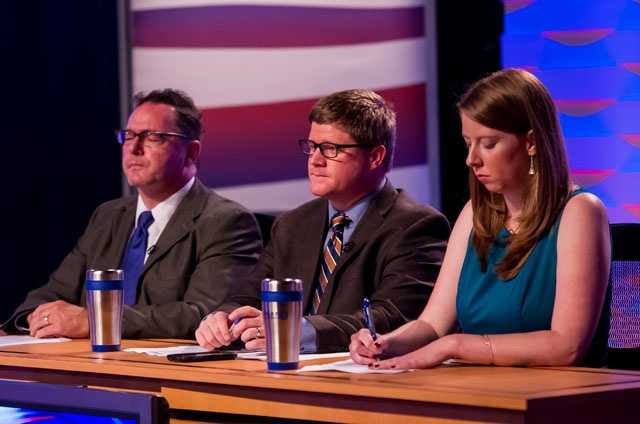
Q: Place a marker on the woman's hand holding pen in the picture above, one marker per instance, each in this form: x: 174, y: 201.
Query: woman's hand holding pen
x: 413, y: 345
x: 364, y: 350
x: 429, y: 356
x: 365, y: 345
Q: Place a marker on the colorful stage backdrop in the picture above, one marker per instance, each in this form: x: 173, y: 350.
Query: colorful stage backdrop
x: 588, y: 53
x: 256, y: 68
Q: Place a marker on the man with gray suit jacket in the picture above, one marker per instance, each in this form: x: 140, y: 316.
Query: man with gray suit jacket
x: 181, y: 245
x: 361, y: 238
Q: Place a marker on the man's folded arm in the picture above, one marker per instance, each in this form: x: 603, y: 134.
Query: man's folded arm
x: 411, y: 267
x: 225, y: 261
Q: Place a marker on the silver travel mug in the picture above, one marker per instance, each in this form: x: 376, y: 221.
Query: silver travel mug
x: 104, y: 305
x: 282, y: 313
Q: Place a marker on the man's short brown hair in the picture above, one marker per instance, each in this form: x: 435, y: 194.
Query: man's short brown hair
x: 363, y: 114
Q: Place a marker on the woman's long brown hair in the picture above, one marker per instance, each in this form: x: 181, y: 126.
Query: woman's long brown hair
x: 515, y: 101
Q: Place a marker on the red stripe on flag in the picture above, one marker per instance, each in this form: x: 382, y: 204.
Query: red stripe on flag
x: 258, y: 143
x: 273, y: 26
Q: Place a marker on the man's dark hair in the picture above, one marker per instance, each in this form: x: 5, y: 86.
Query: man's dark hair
x: 188, y: 117
x: 363, y: 114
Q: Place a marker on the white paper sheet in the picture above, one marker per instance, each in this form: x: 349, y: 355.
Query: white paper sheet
x: 257, y: 355
x: 22, y: 340
x: 310, y: 356
x: 350, y: 367
x: 164, y: 351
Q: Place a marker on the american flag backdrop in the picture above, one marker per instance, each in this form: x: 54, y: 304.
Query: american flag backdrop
x: 255, y: 68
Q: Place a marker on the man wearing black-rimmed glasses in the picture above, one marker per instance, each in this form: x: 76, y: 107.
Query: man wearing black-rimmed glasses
x: 181, y: 245
x: 361, y: 238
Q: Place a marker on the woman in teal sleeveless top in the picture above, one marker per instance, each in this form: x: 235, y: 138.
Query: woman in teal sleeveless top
x: 485, y: 304
x: 525, y: 277
x: 488, y: 305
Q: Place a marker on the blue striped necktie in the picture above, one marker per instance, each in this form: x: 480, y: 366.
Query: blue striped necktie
x: 330, y: 256
x: 133, y: 260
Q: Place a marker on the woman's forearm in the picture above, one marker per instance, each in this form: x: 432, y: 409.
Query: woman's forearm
x: 410, y: 337
x: 517, y: 349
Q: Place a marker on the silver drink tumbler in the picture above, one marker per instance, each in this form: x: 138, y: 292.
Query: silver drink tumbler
x: 104, y: 305
x: 282, y: 313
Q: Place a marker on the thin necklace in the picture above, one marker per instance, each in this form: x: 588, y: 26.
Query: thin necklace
x: 513, y: 231
x: 514, y: 227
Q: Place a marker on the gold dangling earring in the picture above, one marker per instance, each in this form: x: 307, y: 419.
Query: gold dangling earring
x: 532, y: 169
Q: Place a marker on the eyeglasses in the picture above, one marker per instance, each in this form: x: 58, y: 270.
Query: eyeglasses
x: 328, y: 150
x: 148, y: 137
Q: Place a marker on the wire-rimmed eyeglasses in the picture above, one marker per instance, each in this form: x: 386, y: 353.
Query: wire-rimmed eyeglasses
x: 148, y: 137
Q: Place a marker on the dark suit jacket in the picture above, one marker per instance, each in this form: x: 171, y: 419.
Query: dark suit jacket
x: 209, y: 244
x: 393, y: 257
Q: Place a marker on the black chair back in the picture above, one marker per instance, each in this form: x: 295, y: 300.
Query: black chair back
x: 265, y: 221
x: 624, y: 331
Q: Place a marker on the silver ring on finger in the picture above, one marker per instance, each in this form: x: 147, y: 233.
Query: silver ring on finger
x: 46, y: 319
x: 259, y: 333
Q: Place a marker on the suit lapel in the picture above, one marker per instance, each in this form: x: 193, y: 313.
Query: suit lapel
x: 370, y: 222
x: 309, y: 241
x: 180, y: 224
x: 121, y: 229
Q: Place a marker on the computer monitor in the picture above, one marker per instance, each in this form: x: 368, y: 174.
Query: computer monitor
x: 22, y: 402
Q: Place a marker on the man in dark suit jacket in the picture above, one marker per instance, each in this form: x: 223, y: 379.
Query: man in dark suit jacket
x: 390, y: 247
x: 199, y: 244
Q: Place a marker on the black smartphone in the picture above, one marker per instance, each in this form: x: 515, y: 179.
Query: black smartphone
x: 201, y: 356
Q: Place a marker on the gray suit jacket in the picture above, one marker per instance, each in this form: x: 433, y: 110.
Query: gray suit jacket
x: 393, y: 257
x: 209, y: 245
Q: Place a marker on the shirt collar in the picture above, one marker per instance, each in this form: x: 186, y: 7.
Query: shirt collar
x: 356, y: 211
x: 162, y: 211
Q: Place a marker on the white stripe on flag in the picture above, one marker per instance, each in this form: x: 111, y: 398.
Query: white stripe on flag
x: 350, y: 4
x: 293, y: 193
x: 233, y: 77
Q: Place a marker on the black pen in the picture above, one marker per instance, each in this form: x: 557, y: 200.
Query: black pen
x: 368, y: 318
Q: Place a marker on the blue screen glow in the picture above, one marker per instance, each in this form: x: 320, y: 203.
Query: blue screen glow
x: 587, y: 52
x: 10, y: 415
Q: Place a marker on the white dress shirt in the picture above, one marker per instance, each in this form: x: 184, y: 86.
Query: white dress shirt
x: 162, y: 213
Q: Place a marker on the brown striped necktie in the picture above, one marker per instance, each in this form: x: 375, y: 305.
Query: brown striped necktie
x: 330, y: 256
